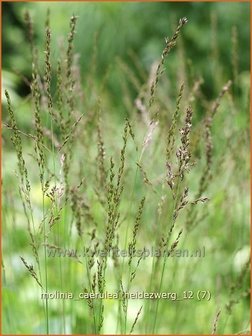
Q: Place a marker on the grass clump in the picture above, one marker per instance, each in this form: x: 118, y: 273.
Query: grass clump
x: 110, y: 192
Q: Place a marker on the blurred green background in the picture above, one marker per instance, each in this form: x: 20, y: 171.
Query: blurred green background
x: 125, y: 29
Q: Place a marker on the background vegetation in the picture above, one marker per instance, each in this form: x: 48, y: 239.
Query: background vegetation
x: 72, y: 132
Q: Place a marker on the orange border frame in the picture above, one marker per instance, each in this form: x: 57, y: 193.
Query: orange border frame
x: 127, y: 1
x: 248, y: 1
